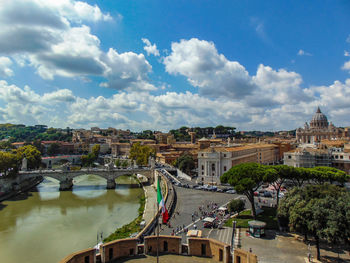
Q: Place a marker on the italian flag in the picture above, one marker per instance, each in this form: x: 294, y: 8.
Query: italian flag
x: 161, y: 203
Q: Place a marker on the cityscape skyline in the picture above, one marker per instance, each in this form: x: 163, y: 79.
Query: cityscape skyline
x: 160, y: 66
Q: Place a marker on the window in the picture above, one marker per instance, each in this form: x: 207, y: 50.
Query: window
x: 341, y: 157
x: 224, y: 155
x: 289, y: 157
x: 131, y: 251
x: 213, y: 167
x: 202, y: 167
x: 87, y: 259
x: 221, y: 254
x: 224, y: 168
x: 238, y: 259
x: 165, y: 246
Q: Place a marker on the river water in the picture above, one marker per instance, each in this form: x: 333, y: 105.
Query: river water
x: 45, y: 225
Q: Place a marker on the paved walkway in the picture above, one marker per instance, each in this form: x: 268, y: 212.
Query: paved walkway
x: 151, y: 203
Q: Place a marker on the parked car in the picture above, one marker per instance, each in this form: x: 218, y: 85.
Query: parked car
x: 267, y: 194
x: 231, y: 191
x: 219, y: 190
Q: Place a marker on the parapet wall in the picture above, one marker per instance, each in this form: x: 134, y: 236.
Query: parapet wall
x: 167, y: 244
x: 206, y: 247
x: 129, y: 247
x: 82, y: 256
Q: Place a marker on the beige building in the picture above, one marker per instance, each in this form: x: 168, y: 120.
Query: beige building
x: 215, y: 161
x: 308, y: 157
x: 319, y: 129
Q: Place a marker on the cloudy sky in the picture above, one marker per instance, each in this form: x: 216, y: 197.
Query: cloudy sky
x: 255, y: 65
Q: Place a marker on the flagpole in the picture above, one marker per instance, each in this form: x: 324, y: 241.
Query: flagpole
x: 158, y: 185
x: 158, y: 235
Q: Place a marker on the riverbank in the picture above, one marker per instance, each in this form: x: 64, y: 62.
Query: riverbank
x: 27, y: 185
x: 131, y: 228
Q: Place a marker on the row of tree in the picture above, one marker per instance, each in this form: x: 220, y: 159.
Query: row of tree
x: 247, y: 178
x: 314, y: 207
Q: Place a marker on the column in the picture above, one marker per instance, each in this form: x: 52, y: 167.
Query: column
x: 66, y: 185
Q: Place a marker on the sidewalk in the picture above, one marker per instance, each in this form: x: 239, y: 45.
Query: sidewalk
x: 151, y: 203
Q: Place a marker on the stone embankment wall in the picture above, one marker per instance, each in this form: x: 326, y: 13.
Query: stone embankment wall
x: 10, y: 187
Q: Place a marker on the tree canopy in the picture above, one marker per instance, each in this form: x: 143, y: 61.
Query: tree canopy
x: 185, y: 163
x: 318, y: 210
x: 141, y: 153
x: 8, y: 164
x: 90, y: 158
x: 246, y: 178
x: 236, y: 205
x: 31, y: 153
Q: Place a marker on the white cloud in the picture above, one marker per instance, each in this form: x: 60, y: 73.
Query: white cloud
x: 346, y: 53
x: 303, y: 53
x: 348, y: 39
x: 346, y: 66
x: 149, y: 48
x: 142, y: 110
x: 276, y: 88
x: 127, y: 71
x: 205, y: 68
x: 49, y: 36
x: 28, y: 107
x: 5, y: 64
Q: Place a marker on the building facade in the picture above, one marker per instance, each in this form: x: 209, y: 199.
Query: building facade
x: 319, y: 129
x: 213, y: 162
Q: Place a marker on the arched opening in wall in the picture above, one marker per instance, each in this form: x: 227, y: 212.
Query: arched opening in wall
x: 110, y: 253
x: 89, y: 186
x: 203, y: 249
x: 165, y: 246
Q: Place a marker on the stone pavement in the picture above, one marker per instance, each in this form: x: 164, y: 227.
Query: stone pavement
x: 151, y: 203
x: 283, y: 247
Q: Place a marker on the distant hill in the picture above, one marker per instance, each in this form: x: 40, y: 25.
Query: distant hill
x: 20, y: 132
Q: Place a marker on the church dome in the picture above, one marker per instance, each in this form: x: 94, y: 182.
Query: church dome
x: 319, y: 120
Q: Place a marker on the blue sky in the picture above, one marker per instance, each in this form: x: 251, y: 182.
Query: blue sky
x: 262, y: 65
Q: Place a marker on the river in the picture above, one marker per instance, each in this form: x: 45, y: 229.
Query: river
x: 45, y: 225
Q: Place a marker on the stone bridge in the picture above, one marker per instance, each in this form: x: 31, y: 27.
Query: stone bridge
x: 65, y: 177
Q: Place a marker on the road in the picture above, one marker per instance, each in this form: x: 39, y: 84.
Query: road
x: 189, y: 201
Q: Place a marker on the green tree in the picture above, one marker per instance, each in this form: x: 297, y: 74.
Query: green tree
x: 322, y: 174
x: 125, y: 163
x: 117, y: 163
x: 246, y: 178
x: 284, y: 173
x: 6, y: 145
x: 141, y: 153
x: 318, y: 210
x: 53, y: 149
x: 96, y: 150
x: 32, y: 154
x: 236, y: 205
x: 185, y: 163
x: 8, y: 164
